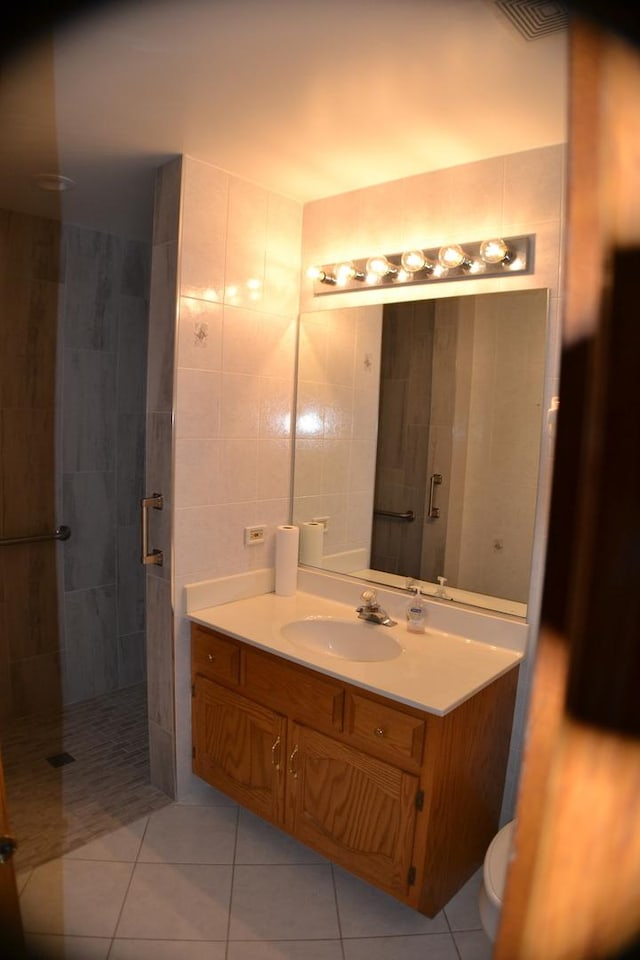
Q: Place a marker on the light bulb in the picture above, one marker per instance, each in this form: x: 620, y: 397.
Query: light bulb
x: 413, y: 260
x: 453, y: 256
x: 380, y: 267
x: 346, y: 271
x: 495, y: 251
x: 317, y: 273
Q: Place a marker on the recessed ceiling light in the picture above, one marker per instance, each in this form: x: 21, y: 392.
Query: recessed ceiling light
x: 54, y: 182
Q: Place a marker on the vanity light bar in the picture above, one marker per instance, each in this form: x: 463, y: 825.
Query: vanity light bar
x: 494, y: 257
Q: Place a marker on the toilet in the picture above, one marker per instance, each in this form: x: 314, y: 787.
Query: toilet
x: 493, y: 880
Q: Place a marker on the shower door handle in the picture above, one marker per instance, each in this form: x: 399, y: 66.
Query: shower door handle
x: 156, y: 501
x: 433, y: 512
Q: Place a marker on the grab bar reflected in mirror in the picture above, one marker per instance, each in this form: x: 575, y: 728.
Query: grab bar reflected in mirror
x: 408, y: 516
x: 60, y: 533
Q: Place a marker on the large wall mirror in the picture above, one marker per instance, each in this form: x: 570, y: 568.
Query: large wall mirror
x: 417, y: 443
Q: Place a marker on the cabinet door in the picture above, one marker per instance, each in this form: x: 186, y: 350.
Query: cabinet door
x: 239, y: 748
x: 357, y: 810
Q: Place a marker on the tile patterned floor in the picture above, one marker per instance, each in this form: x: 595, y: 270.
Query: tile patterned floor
x: 205, y: 880
x: 53, y: 810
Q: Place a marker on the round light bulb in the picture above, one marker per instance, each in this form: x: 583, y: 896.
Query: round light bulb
x: 315, y: 273
x: 495, y: 251
x: 377, y: 266
x: 344, y: 272
x: 413, y: 260
x: 452, y: 256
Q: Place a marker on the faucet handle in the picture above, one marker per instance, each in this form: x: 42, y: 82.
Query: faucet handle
x: 369, y: 597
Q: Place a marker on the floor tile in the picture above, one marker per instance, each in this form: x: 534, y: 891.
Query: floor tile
x: 259, y: 842
x: 177, y: 902
x: 55, y: 810
x: 122, y: 844
x: 367, y: 912
x: 462, y: 910
x: 286, y: 950
x: 48, y: 947
x: 283, y: 903
x: 434, y: 946
x: 190, y: 834
x: 473, y: 945
x: 201, y: 794
x: 75, y: 897
x: 167, y: 950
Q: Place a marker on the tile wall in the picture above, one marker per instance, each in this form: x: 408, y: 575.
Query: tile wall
x: 74, y: 346
x: 159, y: 476
x: 102, y: 385
x: 230, y: 290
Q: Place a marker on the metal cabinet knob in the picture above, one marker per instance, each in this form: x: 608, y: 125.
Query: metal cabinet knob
x: 210, y: 657
x: 379, y: 732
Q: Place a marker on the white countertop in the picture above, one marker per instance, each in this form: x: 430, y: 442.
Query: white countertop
x: 436, y: 671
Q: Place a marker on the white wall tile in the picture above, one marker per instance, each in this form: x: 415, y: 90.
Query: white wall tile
x: 246, y: 241
x: 282, y: 255
x: 197, y: 471
x: 238, y: 470
x: 274, y: 469
x: 240, y: 405
x: 276, y: 406
x: 205, y: 202
x: 533, y: 185
x: 199, y: 334
x: 241, y: 348
x: 198, y: 403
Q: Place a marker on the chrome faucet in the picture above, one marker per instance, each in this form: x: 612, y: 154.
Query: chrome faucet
x: 371, y: 610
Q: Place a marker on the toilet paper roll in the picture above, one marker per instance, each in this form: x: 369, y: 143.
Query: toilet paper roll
x: 311, y: 542
x: 287, y: 539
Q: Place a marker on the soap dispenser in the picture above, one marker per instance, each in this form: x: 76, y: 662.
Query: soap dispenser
x: 416, y: 611
x: 442, y: 589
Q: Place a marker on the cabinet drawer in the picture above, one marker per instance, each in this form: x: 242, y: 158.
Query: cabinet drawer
x: 388, y: 731
x: 303, y: 695
x: 214, y: 655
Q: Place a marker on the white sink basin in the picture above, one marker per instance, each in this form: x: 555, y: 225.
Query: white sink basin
x: 347, y: 639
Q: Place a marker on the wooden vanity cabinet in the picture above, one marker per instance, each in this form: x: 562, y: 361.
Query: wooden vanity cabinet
x: 406, y: 800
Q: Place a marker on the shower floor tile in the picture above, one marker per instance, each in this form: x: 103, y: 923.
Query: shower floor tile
x: 56, y: 809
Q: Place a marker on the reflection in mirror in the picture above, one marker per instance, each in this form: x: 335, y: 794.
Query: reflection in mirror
x: 418, y: 432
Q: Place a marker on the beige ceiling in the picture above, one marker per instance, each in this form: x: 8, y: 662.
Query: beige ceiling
x: 306, y: 98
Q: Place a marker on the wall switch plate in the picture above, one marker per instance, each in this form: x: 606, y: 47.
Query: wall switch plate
x: 253, y: 535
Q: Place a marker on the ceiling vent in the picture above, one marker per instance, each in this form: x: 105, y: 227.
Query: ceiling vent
x: 535, y: 18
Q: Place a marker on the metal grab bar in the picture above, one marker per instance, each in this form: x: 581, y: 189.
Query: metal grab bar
x: 408, y: 516
x: 157, y: 502
x: 433, y: 512
x: 60, y: 533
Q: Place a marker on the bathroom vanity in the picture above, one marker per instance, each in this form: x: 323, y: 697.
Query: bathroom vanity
x: 393, y: 770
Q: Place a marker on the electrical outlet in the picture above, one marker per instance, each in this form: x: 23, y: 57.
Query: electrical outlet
x: 253, y: 535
